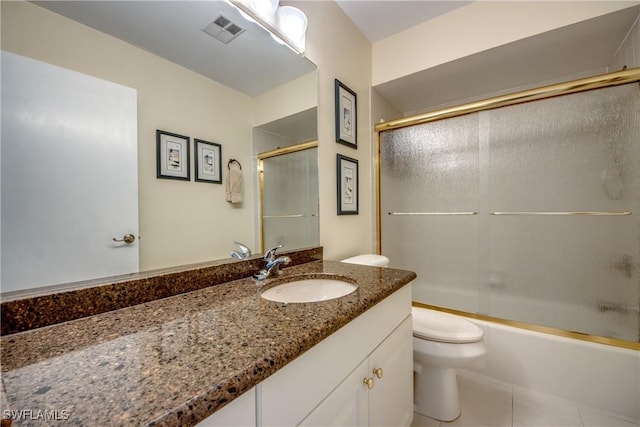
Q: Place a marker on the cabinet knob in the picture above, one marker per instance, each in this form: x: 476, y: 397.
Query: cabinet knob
x: 378, y: 372
x: 369, y: 382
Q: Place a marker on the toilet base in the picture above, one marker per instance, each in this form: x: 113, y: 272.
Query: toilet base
x: 436, y: 393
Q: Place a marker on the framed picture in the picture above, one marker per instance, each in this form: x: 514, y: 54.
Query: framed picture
x: 347, y: 185
x: 346, y: 116
x: 173, y: 155
x: 208, y: 161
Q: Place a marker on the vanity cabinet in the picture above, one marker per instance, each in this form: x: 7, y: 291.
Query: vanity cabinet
x: 377, y: 393
x: 326, y: 386
x: 240, y: 412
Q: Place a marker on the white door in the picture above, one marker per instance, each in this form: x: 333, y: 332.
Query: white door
x: 69, y: 176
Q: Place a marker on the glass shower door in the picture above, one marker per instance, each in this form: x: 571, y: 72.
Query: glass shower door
x: 429, y: 205
x: 289, y: 199
x: 564, y: 197
x: 529, y: 212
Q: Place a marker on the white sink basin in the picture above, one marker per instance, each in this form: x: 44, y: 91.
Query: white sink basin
x: 309, y: 290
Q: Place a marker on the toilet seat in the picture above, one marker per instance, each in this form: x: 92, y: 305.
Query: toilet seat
x: 444, y: 327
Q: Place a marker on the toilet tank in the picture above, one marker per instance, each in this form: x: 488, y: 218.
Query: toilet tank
x: 368, y: 259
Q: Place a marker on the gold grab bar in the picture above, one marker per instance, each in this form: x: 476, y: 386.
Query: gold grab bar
x: 288, y: 216
x: 595, y: 213
x: 431, y: 213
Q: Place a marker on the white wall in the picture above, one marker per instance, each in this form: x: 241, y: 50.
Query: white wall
x: 629, y: 52
x: 180, y: 222
x: 341, y: 52
x: 474, y: 28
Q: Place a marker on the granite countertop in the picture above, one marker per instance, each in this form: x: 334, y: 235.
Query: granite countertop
x: 176, y: 360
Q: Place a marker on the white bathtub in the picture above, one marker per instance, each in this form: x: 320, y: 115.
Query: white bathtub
x: 594, y: 374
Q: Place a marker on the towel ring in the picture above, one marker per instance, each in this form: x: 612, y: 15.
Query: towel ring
x: 233, y: 161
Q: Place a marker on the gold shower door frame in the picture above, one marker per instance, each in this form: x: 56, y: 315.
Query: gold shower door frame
x: 544, y: 92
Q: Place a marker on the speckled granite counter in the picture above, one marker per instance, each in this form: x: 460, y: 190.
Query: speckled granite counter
x: 177, y: 360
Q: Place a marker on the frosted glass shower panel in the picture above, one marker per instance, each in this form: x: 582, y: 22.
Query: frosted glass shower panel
x: 290, y: 199
x: 429, y: 188
x: 569, y: 153
x: 575, y: 153
x: 431, y: 167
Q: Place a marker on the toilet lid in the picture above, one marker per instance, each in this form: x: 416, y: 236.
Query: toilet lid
x: 368, y: 259
x: 444, y: 327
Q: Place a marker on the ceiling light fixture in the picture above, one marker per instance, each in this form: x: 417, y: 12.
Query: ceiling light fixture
x: 286, y: 23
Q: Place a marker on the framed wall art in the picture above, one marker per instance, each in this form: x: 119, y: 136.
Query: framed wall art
x: 347, y: 169
x: 172, y: 155
x: 346, y: 115
x: 208, y: 160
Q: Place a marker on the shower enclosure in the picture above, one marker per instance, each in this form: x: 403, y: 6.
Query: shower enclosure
x: 289, y: 197
x: 523, y: 212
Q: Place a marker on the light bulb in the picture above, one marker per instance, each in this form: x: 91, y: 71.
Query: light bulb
x: 293, y: 23
x: 266, y: 9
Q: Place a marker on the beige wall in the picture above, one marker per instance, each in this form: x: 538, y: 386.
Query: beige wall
x: 298, y: 95
x: 340, y: 51
x: 180, y: 222
x: 474, y: 28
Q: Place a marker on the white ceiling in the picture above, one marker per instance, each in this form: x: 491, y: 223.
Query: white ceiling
x: 379, y: 19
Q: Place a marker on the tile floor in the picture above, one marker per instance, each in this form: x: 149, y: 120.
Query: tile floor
x: 487, y: 403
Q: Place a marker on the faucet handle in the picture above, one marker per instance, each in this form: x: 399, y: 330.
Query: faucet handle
x: 270, y: 255
x: 245, y: 252
x: 243, y: 249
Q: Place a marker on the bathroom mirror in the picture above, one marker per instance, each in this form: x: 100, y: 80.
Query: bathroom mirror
x: 201, y: 226
x: 287, y: 180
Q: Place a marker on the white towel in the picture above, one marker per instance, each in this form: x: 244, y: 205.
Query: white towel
x: 234, y: 187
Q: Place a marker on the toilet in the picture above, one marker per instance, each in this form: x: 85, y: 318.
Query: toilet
x: 442, y: 343
x: 368, y: 259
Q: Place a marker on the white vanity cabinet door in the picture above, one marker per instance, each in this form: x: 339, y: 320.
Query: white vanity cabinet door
x: 389, y: 402
x: 391, y: 398
x: 241, y: 412
x: 346, y: 406
x: 292, y: 393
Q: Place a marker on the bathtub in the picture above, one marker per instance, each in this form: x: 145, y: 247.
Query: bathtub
x: 594, y: 374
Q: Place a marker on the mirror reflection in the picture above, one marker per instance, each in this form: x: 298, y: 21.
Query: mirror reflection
x: 289, y: 196
x: 168, y: 68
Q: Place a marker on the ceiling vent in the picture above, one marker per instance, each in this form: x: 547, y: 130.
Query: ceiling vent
x: 223, y: 29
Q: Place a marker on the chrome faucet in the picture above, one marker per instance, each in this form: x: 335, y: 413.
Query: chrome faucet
x: 273, y: 264
x: 270, y: 255
x: 244, y: 253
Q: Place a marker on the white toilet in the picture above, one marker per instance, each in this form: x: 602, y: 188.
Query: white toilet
x: 442, y: 343
x: 369, y: 259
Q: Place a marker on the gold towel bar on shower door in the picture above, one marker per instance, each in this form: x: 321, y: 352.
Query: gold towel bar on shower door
x: 288, y: 216
x: 432, y: 213
x: 595, y: 213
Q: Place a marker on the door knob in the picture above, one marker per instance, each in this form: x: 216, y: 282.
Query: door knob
x: 128, y: 239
